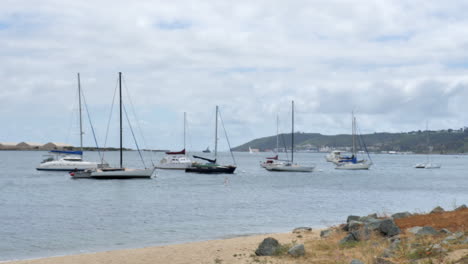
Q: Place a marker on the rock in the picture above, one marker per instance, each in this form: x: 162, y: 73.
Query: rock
x: 354, y: 225
x: 437, y: 210
x: 390, y: 251
x: 389, y: 228
x: 367, y: 219
x: 437, y: 248
x: 374, y: 215
x: 401, y: 215
x: 445, y: 231
x: 352, y: 217
x: 297, y: 250
x: 268, y: 247
x: 373, y: 224
x: 361, y: 234
x: 463, y: 206
x: 326, y: 233
x: 459, y: 234
x: 302, y: 229
x: 423, y: 231
x: 348, y: 238
x: 465, y: 241
x: 381, y: 260
x: 356, y: 261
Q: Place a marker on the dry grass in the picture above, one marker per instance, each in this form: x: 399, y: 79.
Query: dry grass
x: 453, y: 220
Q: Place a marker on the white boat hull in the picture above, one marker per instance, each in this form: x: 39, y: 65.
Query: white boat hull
x: 427, y: 166
x: 174, y: 163
x: 353, y: 166
x: 122, y: 174
x: 291, y: 168
x: 61, y: 165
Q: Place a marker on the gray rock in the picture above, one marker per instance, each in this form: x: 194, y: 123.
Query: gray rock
x: 373, y: 224
x: 374, y: 215
x: 367, y: 219
x: 361, y: 234
x: 356, y: 261
x: 389, y: 228
x: 423, y: 231
x: 348, y: 238
x: 463, y: 206
x: 390, y: 251
x: 459, y: 234
x: 268, y: 247
x: 401, y: 215
x: 445, y: 231
x: 354, y: 225
x: 352, y: 217
x: 381, y: 260
x: 302, y: 229
x: 326, y: 233
x: 437, y: 248
x: 297, y: 250
x: 465, y: 241
x: 438, y: 209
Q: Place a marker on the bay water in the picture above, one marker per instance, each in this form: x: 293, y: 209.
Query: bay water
x: 48, y: 213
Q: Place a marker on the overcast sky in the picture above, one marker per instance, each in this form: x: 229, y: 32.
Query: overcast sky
x: 398, y: 64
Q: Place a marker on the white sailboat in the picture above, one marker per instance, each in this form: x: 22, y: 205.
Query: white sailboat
x: 175, y: 160
x: 428, y: 164
x: 352, y: 163
x: 290, y: 165
x: 62, y: 160
x: 273, y: 161
x: 120, y: 172
x: 333, y: 156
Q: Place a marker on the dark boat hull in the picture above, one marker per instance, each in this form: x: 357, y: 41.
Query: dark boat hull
x: 212, y: 169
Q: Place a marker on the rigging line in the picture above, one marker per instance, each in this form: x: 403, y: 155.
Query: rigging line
x: 91, y: 124
x: 110, y: 118
x: 364, y: 144
x: 134, y: 138
x: 137, y: 120
x: 72, y: 115
x: 227, y: 138
x: 285, y: 147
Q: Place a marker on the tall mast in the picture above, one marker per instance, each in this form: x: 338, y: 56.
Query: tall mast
x: 277, y: 133
x: 292, y: 134
x: 120, y: 96
x: 216, y: 133
x: 184, y: 127
x: 353, y: 131
x: 79, y: 106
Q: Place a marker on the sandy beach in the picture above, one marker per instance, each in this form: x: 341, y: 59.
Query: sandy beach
x: 232, y: 250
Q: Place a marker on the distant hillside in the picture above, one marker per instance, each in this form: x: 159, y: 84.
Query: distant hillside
x: 443, y: 141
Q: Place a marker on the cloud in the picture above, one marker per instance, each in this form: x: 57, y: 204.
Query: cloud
x: 397, y: 64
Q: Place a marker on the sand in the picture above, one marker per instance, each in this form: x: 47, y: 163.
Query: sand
x: 232, y: 250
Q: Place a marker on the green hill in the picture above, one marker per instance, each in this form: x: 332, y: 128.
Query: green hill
x: 442, y: 141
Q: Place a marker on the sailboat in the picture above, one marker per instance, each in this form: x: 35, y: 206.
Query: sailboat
x: 176, y: 160
x: 212, y: 166
x: 207, y: 150
x: 290, y: 166
x: 273, y: 161
x: 250, y: 150
x: 64, y: 160
x: 428, y: 164
x: 352, y: 163
x: 120, y: 172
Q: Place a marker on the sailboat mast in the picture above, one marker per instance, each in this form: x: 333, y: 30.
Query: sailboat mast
x: 292, y: 134
x: 79, y: 106
x: 216, y: 134
x: 121, y: 130
x: 277, y: 134
x: 184, y: 127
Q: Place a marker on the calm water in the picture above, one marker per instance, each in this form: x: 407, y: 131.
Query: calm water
x: 48, y: 213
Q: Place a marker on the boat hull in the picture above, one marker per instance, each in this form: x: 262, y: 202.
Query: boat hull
x: 211, y: 169
x: 119, y: 174
x: 290, y: 168
x: 427, y: 166
x: 353, y: 166
x: 58, y: 165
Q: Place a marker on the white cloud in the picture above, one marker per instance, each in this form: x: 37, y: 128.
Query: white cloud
x: 396, y: 63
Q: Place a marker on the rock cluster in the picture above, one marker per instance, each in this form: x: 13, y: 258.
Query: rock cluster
x: 361, y: 228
